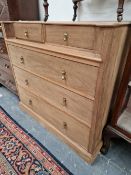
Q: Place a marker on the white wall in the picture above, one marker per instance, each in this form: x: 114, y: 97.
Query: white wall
x: 100, y: 10
x: 59, y: 10
x: 89, y: 10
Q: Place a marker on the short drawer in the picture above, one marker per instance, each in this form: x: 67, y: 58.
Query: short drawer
x: 3, y: 49
x: 60, y: 120
x: 62, y: 98
x: 7, y: 79
x: 5, y: 65
x: 31, y: 32
x: 74, y: 36
x: 73, y: 75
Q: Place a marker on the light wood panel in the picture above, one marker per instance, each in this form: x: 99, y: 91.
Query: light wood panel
x: 31, y: 32
x: 78, y: 55
x: 65, y: 124
x: 77, y: 23
x: 78, y: 149
x: 80, y: 77
x: 70, y: 35
x: 114, y: 50
x: 79, y: 107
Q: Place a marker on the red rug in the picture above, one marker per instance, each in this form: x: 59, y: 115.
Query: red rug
x: 21, y: 154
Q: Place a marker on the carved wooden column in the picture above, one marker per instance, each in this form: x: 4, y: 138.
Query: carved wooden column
x: 75, y: 7
x: 46, y: 4
x: 120, y: 10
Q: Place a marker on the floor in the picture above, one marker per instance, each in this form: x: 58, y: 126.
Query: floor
x: 116, y: 162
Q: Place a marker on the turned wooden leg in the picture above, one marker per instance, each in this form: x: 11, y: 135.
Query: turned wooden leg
x: 46, y: 4
x: 127, y: 97
x: 75, y: 7
x: 120, y: 10
x: 108, y: 133
x: 106, y: 141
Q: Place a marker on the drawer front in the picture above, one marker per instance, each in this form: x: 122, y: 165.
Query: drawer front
x: 5, y: 65
x: 77, y: 76
x: 68, y: 101
x: 32, y: 32
x: 7, y: 80
x: 60, y: 120
x: 3, y: 49
x: 75, y: 36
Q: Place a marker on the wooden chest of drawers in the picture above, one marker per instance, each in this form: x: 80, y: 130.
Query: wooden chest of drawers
x: 6, y: 76
x: 65, y: 74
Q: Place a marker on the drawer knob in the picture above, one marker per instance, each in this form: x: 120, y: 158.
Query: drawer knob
x: 7, y: 66
x: 64, y: 102
x: 63, y: 77
x: 30, y: 102
x: 26, y: 82
x: 1, y: 50
x: 21, y: 60
x: 11, y: 82
x: 64, y: 125
x: 65, y: 36
x: 26, y: 34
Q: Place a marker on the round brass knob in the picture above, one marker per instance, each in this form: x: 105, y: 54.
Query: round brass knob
x: 26, y: 34
x: 64, y: 125
x: 63, y: 73
x: 65, y: 36
x: 30, y: 102
x: 64, y: 102
x: 7, y: 66
x: 26, y: 82
x: 21, y: 60
x: 10, y: 81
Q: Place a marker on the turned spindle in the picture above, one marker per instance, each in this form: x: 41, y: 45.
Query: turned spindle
x: 75, y: 7
x: 120, y: 10
x: 46, y: 4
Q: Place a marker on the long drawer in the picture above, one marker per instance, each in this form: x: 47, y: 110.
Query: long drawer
x: 64, y: 123
x: 77, y: 76
x: 5, y: 65
x: 62, y: 98
x: 74, y: 36
x: 30, y: 32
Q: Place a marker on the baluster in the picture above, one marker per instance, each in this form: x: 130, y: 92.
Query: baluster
x: 120, y: 10
x: 75, y: 7
x: 46, y: 4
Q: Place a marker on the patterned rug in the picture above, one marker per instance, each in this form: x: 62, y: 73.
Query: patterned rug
x: 21, y: 154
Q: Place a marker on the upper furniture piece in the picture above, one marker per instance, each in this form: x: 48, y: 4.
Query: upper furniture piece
x: 120, y: 10
x: 6, y: 76
x: 19, y: 10
x: 119, y: 124
x: 46, y: 4
x: 65, y: 74
x: 13, y: 10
